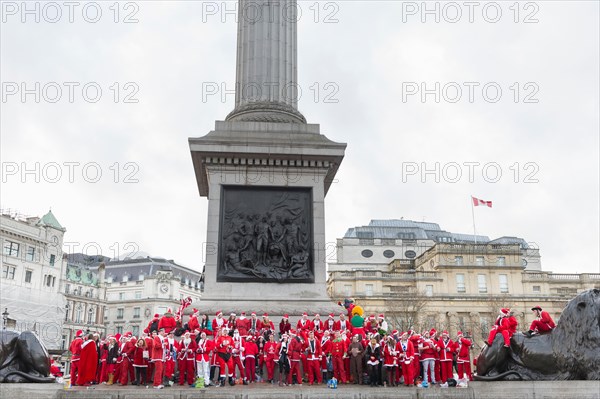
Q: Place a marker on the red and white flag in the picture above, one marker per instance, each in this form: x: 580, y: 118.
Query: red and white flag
x: 477, y: 202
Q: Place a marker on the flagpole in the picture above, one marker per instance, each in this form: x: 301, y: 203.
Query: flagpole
x: 473, y: 215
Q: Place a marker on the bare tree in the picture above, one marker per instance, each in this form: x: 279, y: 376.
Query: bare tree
x: 405, y: 311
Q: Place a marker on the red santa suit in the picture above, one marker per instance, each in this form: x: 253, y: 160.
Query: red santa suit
x: 186, y: 360
x: 140, y: 363
x: 501, y: 326
x: 127, y: 350
x: 543, y: 323
x: 342, y: 326
x: 390, y: 361
x: 463, y: 358
x: 167, y: 322
x: 304, y: 325
x: 253, y: 325
x: 237, y: 355
x: 294, y: 356
x: 223, y: 347
x: 203, y: 349
x: 170, y: 357
x: 193, y: 324
x: 87, y: 363
x: 329, y: 324
x: 338, y: 354
x: 313, y: 358
x: 284, y: 326
x: 406, y: 355
x: 217, y: 324
x: 270, y: 356
x: 318, y: 327
x: 159, y: 348
x: 243, y: 325
x: 416, y: 364
x: 325, y: 351
x: 75, y: 349
x: 251, y: 353
x: 446, y: 349
x: 266, y: 325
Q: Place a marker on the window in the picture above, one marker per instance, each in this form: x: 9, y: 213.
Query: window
x: 135, y: 330
x: 537, y: 289
x: 501, y: 261
x: 138, y: 295
x: 28, y: 274
x: 30, y: 255
x: 369, y: 289
x: 121, y: 296
x: 119, y: 330
x: 11, y: 248
x: 479, y: 260
x: 136, y: 313
x: 52, y: 259
x: 120, y: 313
x: 50, y: 280
x: 367, y: 253
x: 67, y: 288
x: 348, y: 290
x: 429, y: 290
x: 460, y: 283
x: 78, y: 314
x: 91, y: 315
x: 388, y: 241
x: 458, y: 260
x: 503, y: 284
x: 482, y: 283
x: 388, y: 253
x: 8, y: 272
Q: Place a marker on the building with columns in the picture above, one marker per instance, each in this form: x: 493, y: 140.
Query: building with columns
x: 32, y: 266
x: 448, y: 281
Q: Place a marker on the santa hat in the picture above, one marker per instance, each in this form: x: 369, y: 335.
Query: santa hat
x: 196, y: 331
x: 381, y: 316
x: 537, y: 307
x: 317, y: 315
x: 169, y: 310
x: 304, y: 314
x: 128, y: 334
x: 265, y: 315
x: 292, y: 332
x: 156, y: 316
x: 395, y: 332
x: 194, y: 310
x: 331, y: 315
x: 445, y: 332
x: 286, y: 316
x: 342, y: 314
x: 253, y: 314
x: 219, y: 313
x: 146, y: 330
x: 79, y: 333
x: 118, y: 337
x: 243, y: 313
x: 505, y: 310
x: 432, y: 332
x: 459, y: 333
x: 371, y: 316
x: 186, y: 333
x: 232, y: 314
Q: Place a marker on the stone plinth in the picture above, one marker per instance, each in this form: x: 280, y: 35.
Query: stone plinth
x: 265, y: 155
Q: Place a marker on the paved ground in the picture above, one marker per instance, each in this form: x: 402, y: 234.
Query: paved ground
x: 476, y: 390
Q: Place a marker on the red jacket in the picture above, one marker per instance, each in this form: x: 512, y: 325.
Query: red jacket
x: 250, y: 349
x: 224, y: 344
x: 446, y: 349
x: 217, y: 325
x: 271, y: 350
x: 338, y: 348
x: 390, y: 356
x: 313, y: 349
x: 193, y: 323
x: 187, y: 352
x: 75, y: 348
x: 284, y: 328
x: 329, y: 324
x: 242, y: 326
x: 158, y: 347
x: 340, y: 325
x: 203, y: 348
x: 462, y: 346
x: 168, y: 323
x: 428, y: 349
x: 406, y: 351
x: 545, y: 318
x: 138, y: 357
x: 304, y: 325
x: 295, y: 349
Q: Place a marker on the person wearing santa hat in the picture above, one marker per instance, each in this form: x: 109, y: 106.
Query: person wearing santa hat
x: 501, y: 326
x: 167, y: 321
x: 304, y: 324
x: 186, y: 359
x: 193, y: 324
x: 238, y: 356
x: 88, y: 362
x: 126, y: 351
x: 232, y: 322
x: 284, y: 325
x: 329, y: 324
x: 314, y: 356
x: 294, y: 355
x: 153, y: 324
x: 243, y: 325
x: 170, y: 357
x: 445, y: 349
x: 266, y: 325
x: 382, y: 325
x: 75, y: 349
x: 223, y: 348
x: 271, y: 356
x: 251, y: 353
x: 355, y: 352
x: 283, y: 360
x: 203, y: 348
x: 415, y: 338
x: 159, y: 349
x: 318, y: 326
x: 253, y: 324
x: 463, y: 356
x: 140, y: 362
x: 406, y: 353
x: 218, y: 323
x: 372, y: 356
x: 338, y: 355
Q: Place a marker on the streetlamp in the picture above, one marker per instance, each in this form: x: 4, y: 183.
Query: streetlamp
x: 4, y: 318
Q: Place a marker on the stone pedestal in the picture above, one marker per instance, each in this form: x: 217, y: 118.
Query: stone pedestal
x: 262, y: 156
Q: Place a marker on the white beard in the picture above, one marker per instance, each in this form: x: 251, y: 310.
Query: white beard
x: 187, y: 341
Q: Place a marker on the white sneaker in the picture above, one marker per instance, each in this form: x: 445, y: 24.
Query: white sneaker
x: 444, y: 385
x: 159, y: 387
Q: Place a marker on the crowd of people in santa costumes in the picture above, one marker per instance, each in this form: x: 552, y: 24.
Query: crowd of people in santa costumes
x: 245, y: 350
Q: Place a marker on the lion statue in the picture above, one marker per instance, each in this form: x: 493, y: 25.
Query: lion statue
x: 23, y: 358
x: 570, y: 352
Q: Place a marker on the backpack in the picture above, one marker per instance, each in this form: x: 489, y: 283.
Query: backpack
x: 451, y: 382
x: 154, y: 326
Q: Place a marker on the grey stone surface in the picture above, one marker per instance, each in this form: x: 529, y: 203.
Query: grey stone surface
x: 476, y: 390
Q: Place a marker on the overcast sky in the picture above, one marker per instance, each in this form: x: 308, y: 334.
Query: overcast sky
x: 516, y: 121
